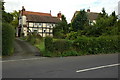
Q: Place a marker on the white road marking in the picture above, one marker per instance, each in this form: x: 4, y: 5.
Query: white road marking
x: 22, y: 59
x: 97, y: 68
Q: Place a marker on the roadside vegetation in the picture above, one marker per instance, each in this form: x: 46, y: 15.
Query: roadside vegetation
x: 80, y: 37
x: 8, y: 33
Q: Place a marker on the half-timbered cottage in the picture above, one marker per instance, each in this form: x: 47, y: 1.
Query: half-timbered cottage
x: 42, y: 23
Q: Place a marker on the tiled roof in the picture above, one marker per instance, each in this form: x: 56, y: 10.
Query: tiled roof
x: 40, y: 17
x: 91, y: 15
x: 36, y: 13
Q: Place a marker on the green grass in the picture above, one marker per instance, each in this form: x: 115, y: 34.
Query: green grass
x: 41, y: 46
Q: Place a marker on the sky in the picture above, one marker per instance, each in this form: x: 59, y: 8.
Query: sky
x: 66, y: 7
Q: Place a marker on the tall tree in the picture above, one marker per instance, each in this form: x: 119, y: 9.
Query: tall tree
x: 103, y: 14
x: 61, y: 28
x: 79, y: 21
x: 6, y: 17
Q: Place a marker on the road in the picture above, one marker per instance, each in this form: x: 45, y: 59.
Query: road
x: 92, y: 66
x: 24, y: 64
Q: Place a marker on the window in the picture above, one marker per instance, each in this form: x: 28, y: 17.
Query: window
x: 44, y: 30
x: 40, y: 24
x: 35, y: 24
x: 48, y: 24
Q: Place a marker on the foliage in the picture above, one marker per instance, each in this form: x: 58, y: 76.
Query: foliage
x: 7, y: 39
x: 61, y: 45
x: 60, y: 30
x: 79, y: 21
x: 6, y: 17
x: 104, y: 25
x: 92, y: 45
x: 34, y: 38
x: 15, y: 15
x: 70, y: 53
x: 72, y: 35
x: 48, y: 43
x: 57, y: 45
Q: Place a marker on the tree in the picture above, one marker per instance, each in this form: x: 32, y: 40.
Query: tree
x: 15, y: 15
x: 79, y: 21
x: 61, y: 28
x: 6, y: 17
x: 103, y: 14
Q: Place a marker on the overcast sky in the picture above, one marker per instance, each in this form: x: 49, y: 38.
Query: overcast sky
x: 67, y: 7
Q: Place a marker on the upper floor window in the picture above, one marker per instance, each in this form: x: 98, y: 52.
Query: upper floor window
x: 36, y: 24
x: 40, y: 24
x: 48, y: 24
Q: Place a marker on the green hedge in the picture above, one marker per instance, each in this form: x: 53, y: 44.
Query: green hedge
x: 59, y: 46
x: 49, y: 43
x: 7, y: 39
x: 93, y: 45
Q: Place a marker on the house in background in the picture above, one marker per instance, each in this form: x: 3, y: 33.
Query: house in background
x: 92, y: 16
x: 42, y: 23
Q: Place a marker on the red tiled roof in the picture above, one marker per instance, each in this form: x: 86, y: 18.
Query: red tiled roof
x: 36, y: 13
x: 39, y: 18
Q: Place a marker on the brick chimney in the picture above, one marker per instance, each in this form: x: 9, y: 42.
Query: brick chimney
x: 23, y: 9
x: 59, y: 15
x: 88, y: 10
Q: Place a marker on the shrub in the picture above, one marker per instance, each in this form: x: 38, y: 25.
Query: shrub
x: 70, y: 53
x: 57, y: 46
x: 49, y: 43
x: 7, y: 39
x: 92, y: 45
x: 61, y: 45
x: 34, y: 38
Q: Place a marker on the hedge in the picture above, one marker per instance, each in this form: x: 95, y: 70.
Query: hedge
x: 59, y: 46
x: 7, y: 39
x: 49, y: 43
x: 93, y: 45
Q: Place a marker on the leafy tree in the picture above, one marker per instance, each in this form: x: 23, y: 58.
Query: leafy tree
x: 7, y: 33
x: 79, y: 21
x: 103, y: 14
x: 104, y: 25
x: 15, y: 15
x: 6, y: 17
x: 61, y: 28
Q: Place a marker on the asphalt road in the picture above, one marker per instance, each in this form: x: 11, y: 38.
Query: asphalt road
x: 95, y: 66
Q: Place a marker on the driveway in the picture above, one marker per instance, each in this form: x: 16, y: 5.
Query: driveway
x: 23, y: 50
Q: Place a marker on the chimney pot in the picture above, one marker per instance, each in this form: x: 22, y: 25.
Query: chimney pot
x: 88, y: 10
x: 59, y: 15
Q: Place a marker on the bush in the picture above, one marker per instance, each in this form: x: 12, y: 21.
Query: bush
x: 92, y: 45
x: 34, y: 38
x: 49, y: 43
x: 57, y: 46
x: 61, y: 45
x: 70, y: 53
x: 7, y: 39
